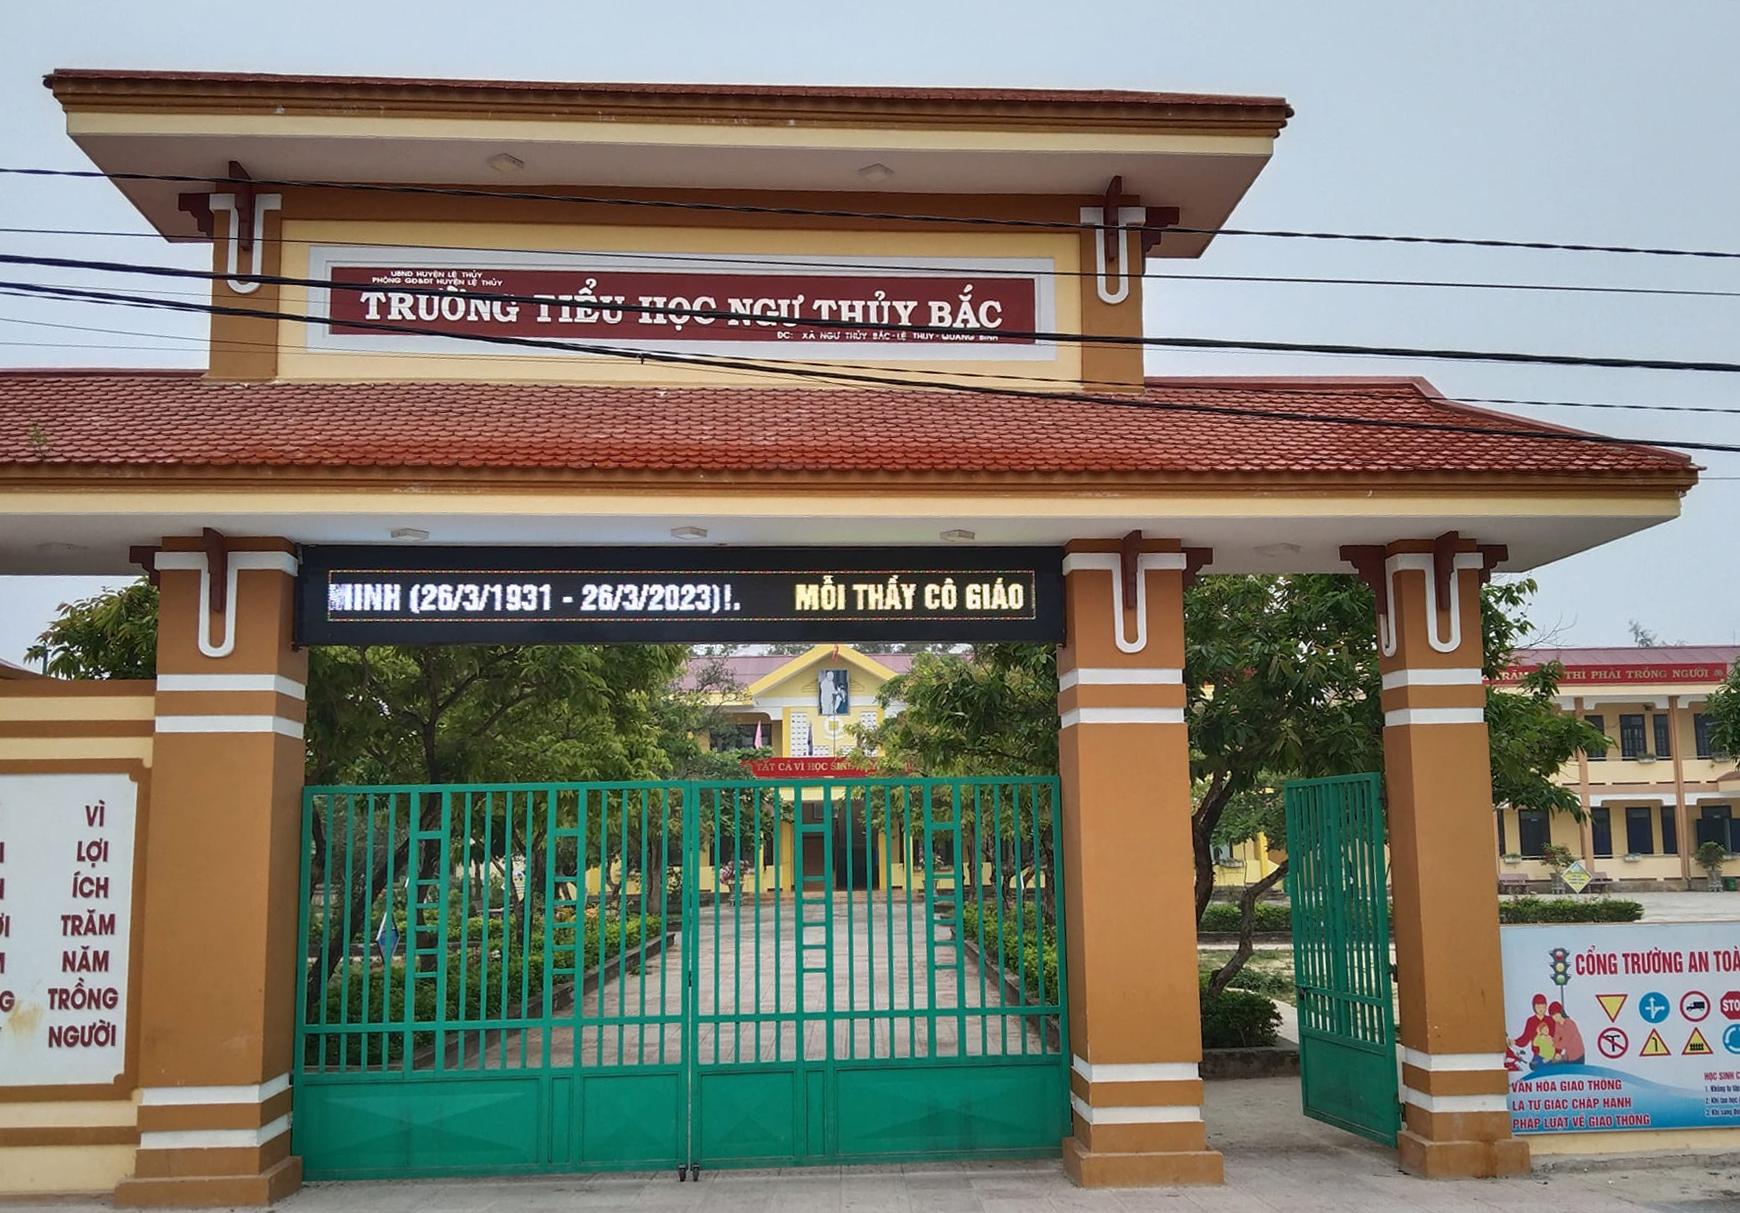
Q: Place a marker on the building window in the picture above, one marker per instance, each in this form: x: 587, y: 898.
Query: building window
x: 1664, y: 745
x: 1701, y: 735
x: 1601, y: 831
x: 1630, y: 735
x: 1533, y: 834
x: 1500, y: 816
x: 1639, y: 832
x: 739, y: 736
x: 1670, y: 831
x: 1715, y: 824
x: 1600, y: 726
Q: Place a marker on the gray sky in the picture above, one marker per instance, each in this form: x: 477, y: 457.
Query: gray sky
x: 1585, y: 122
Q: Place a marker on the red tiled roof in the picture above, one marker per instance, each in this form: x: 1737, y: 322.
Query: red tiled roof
x: 1633, y: 655
x: 1178, y: 426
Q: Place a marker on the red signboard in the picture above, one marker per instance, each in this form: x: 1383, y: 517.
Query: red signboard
x: 1612, y: 674
x: 686, y: 306
x: 810, y: 768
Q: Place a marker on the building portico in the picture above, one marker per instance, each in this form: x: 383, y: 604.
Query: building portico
x: 700, y: 419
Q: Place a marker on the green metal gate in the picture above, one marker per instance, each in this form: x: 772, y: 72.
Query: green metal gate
x: 1341, y: 954
x: 572, y: 977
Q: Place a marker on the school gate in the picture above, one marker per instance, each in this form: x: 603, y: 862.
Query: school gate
x: 530, y: 978
x: 612, y: 363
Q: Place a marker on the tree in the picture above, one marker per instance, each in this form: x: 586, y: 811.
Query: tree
x: 1641, y: 636
x: 1723, y: 712
x: 110, y: 635
x: 389, y: 714
x: 1282, y: 682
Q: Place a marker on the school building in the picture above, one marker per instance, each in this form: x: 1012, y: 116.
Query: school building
x: 518, y: 362
x: 1658, y: 792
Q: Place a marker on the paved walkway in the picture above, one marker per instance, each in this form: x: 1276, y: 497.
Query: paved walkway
x: 892, y: 965
x: 1277, y: 1161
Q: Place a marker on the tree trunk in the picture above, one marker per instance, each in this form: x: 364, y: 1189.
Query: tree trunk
x: 1247, y: 921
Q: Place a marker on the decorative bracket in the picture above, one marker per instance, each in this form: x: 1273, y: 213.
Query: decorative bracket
x: 1154, y: 226
x: 1195, y: 559
x: 145, y: 556
x: 1129, y: 568
x: 1367, y: 560
x: 217, y: 563
x: 247, y: 211
x: 1114, y: 222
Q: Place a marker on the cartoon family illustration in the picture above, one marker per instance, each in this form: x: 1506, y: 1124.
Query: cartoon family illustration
x: 1549, y: 1037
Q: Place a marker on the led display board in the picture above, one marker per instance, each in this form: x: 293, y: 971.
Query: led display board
x: 603, y: 595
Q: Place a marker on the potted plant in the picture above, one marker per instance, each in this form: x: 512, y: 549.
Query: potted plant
x: 1631, y: 857
x: 1710, y: 856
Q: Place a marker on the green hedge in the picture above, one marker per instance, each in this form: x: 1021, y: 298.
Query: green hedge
x: 1569, y: 909
x: 1029, y: 947
x: 380, y: 1037
x: 1238, y: 1019
x: 1222, y: 917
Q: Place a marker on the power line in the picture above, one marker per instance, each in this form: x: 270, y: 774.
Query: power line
x: 883, y: 380
x: 691, y: 313
x: 794, y: 261
x: 741, y: 208
x: 1268, y: 389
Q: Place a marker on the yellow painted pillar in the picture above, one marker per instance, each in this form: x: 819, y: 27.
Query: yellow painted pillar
x: 219, y: 967
x: 1437, y: 780
x: 1134, y: 1023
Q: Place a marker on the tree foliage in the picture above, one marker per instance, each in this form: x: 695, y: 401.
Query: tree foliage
x: 1723, y: 711
x: 110, y: 635
x: 1281, y: 679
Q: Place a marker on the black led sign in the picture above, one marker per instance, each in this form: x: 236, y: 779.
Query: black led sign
x: 563, y: 595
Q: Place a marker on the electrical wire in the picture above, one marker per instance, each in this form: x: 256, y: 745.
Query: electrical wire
x: 795, y: 261
x: 859, y: 379
x: 742, y: 208
x: 1112, y: 340
x: 1268, y: 389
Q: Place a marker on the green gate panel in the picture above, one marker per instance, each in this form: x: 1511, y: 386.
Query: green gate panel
x: 1341, y: 954
x: 593, y: 976
x: 465, y: 1126
x: 747, y: 1116
x: 939, y: 1110
x: 630, y: 1120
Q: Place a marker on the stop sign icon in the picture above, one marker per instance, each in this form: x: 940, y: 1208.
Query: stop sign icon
x: 1731, y: 1004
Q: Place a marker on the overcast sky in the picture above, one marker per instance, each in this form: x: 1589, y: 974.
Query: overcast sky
x: 1586, y: 122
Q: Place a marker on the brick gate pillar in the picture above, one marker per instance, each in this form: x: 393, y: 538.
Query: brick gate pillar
x: 1129, y: 909
x: 1438, y: 789
x: 218, y: 957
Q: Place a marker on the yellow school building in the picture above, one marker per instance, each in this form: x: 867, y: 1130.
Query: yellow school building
x: 1658, y: 792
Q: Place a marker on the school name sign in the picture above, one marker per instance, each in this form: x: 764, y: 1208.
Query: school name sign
x: 459, y: 595
x: 947, y: 308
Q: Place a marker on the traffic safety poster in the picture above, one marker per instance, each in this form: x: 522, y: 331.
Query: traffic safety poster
x: 1618, y: 1026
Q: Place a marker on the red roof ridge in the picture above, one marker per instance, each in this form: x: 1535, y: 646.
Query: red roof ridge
x: 1493, y: 414
x: 1096, y: 96
x: 97, y: 372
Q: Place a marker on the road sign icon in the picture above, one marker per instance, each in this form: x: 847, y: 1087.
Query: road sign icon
x: 1576, y: 877
x: 1695, y: 1005
x: 1655, y: 1046
x: 1654, y: 1007
x: 1613, y: 1003
x: 1697, y: 1046
x: 1731, y: 1038
x: 1613, y: 1041
x: 1731, y: 1004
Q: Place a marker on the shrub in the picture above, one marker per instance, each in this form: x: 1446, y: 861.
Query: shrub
x: 1029, y: 947
x: 1222, y: 918
x: 1238, y: 1019
x: 1569, y: 909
